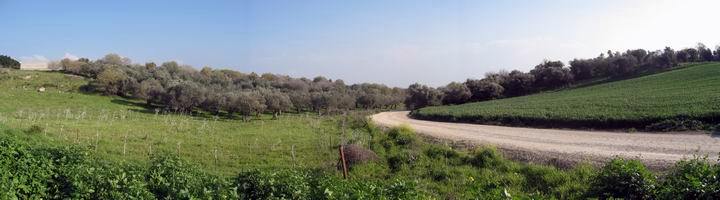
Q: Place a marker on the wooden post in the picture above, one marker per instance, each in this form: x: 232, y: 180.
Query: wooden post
x: 344, y: 163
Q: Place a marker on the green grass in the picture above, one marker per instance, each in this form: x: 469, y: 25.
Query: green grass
x: 691, y: 92
x: 62, y: 116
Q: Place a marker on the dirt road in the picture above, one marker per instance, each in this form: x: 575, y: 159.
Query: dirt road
x: 655, y: 149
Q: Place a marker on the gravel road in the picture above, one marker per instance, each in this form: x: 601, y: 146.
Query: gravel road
x: 658, y: 150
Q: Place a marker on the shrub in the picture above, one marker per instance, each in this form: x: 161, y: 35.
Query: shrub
x: 171, y: 177
x: 79, y: 176
x: 402, y: 135
x: 356, y: 154
x: 35, y: 129
x: 22, y: 175
x: 676, y: 125
x: 692, y: 179
x: 622, y: 178
x: 544, y: 179
x: 485, y: 157
x: 278, y: 184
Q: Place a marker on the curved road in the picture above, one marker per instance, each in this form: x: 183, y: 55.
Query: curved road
x: 655, y: 149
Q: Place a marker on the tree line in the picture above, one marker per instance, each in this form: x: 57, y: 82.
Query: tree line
x: 182, y: 88
x: 551, y: 75
x: 8, y: 62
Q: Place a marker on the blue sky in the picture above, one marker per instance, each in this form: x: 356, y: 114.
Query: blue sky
x: 392, y: 42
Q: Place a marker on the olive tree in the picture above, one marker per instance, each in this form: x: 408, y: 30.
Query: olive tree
x: 456, y: 93
x: 419, y: 96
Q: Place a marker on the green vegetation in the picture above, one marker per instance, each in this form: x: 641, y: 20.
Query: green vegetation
x: 687, y: 97
x: 124, y: 130
x: 409, y: 168
x: 62, y: 144
x: 8, y: 62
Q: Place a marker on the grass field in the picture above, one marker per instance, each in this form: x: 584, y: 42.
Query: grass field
x: 691, y: 93
x: 124, y: 130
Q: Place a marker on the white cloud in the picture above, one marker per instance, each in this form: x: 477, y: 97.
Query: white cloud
x: 34, y: 59
x: 70, y: 56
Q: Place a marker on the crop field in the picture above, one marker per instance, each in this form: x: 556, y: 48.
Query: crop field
x: 689, y: 93
x: 124, y: 130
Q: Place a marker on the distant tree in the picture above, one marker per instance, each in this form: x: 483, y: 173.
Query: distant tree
x: 482, y: 90
x: 639, y: 54
x: 114, y: 59
x: 151, y: 91
x: 184, y: 96
x: 623, y: 65
x: 705, y: 54
x: 8, y: 62
x: 551, y: 74
x: 419, y: 96
x: 150, y: 65
x: 518, y: 83
x: 110, y: 79
x: 666, y: 59
x: 717, y: 53
x: 300, y: 100
x: 214, y: 102
x: 246, y: 103
x: 582, y: 69
x: 277, y: 102
x: 456, y: 93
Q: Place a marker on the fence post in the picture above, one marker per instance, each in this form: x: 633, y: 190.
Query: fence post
x: 344, y: 163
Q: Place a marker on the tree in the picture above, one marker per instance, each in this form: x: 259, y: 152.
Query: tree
x: 214, y: 102
x: 249, y: 103
x: 300, y: 100
x: 277, y: 102
x: 582, y: 69
x: 518, y: 83
x: 109, y: 80
x: 114, y: 59
x: 705, y: 54
x: 8, y: 62
x: 666, y: 59
x: 623, y: 65
x: 456, y: 93
x: 184, y: 96
x: 151, y: 91
x: 482, y: 90
x: 551, y: 74
x: 419, y: 96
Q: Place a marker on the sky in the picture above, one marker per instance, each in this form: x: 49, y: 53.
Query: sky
x: 396, y: 42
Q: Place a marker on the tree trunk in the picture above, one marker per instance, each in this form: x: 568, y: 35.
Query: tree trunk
x: 275, y: 116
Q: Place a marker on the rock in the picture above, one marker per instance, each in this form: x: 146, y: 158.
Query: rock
x: 41, y: 89
x: 28, y: 77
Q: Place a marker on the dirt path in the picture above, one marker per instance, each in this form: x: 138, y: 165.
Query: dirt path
x: 655, y: 149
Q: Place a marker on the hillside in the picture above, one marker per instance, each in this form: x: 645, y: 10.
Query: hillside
x: 120, y: 129
x: 683, y: 95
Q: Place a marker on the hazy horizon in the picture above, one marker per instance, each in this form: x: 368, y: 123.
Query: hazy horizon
x: 395, y: 43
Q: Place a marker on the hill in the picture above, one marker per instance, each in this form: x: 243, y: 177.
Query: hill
x: 678, y: 98
x: 122, y: 129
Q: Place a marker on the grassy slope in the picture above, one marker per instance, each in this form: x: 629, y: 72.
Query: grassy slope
x: 69, y: 117
x: 692, y: 92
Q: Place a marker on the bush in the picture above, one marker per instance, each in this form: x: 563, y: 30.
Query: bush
x: 22, y: 175
x: 692, y: 179
x: 356, y: 154
x: 279, y: 184
x: 170, y: 177
x: 676, y: 125
x: 35, y: 129
x: 485, y: 157
x: 444, y: 152
x: 79, y: 176
x: 402, y: 135
x: 622, y: 178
